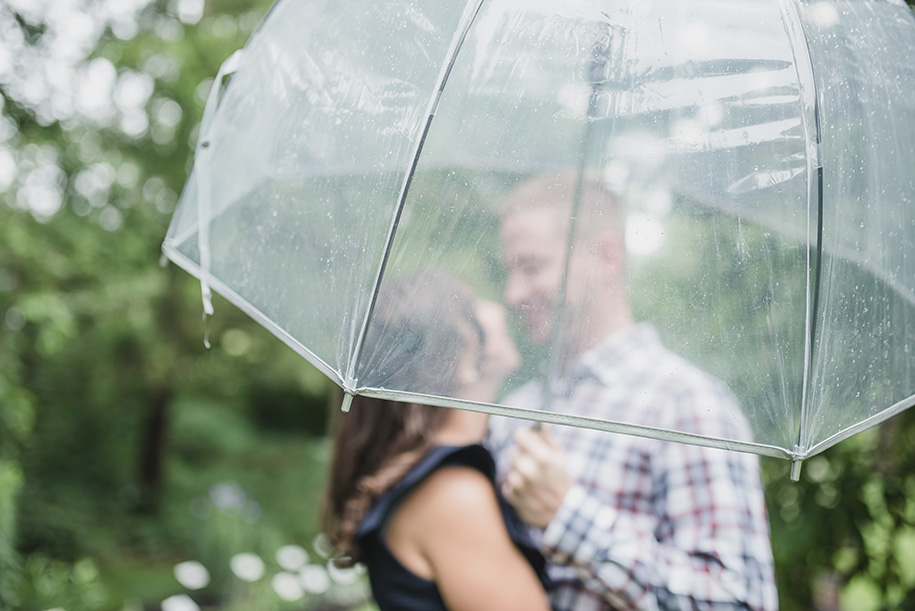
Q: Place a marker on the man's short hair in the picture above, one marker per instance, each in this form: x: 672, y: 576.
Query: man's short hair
x: 598, y: 208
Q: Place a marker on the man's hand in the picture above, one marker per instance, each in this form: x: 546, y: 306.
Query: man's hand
x: 538, y: 481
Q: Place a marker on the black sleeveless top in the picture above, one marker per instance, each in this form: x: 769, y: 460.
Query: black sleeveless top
x: 393, y: 585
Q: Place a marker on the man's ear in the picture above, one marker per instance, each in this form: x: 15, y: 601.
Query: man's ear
x: 609, y: 248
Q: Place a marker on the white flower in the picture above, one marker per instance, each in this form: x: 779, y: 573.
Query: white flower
x: 291, y: 557
x: 228, y: 496
x: 322, y: 546
x: 179, y: 602
x: 343, y: 576
x: 192, y: 575
x: 314, y: 579
x: 247, y: 566
x: 287, y: 586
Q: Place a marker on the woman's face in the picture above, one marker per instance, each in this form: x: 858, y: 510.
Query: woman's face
x: 500, y: 356
x: 469, y: 360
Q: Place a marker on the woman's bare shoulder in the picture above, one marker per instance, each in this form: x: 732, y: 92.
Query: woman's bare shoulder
x: 452, y: 492
x: 446, y: 512
x: 461, y: 542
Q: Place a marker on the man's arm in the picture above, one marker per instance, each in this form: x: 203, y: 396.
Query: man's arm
x: 705, y: 546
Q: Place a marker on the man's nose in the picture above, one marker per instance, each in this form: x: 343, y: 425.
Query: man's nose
x: 515, y: 290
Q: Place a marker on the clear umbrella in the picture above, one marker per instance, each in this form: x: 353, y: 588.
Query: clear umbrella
x: 758, y: 156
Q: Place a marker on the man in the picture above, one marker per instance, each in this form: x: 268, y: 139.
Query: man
x: 627, y: 522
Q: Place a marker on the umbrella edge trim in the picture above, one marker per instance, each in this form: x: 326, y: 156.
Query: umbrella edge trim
x: 581, y: 421
x: 863, y: 425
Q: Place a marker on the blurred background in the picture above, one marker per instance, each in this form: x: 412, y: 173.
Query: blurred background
x: 140, y: 470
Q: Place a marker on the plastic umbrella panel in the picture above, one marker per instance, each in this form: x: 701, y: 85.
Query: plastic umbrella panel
x: 759, y: 155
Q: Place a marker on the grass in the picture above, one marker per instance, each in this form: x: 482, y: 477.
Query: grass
x: 230, y: 488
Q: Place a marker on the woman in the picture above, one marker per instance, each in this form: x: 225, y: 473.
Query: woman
x: 412, y: 491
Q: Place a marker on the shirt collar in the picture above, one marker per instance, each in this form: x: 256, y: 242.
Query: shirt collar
x: 605, y: 360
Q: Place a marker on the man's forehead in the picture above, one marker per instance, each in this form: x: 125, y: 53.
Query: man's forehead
x: 532, y: 235
x: 540, y: 220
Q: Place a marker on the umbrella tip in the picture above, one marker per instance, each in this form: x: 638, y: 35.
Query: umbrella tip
x: 797, y: 460
x: 347, y: 401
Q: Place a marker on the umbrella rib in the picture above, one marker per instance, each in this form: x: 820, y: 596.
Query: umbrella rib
x: 190, y: 266
x: 861, y: 426
x: 599, y: 53
x: 813, y: 314
x: 807, y: 84
x: 456, y: 44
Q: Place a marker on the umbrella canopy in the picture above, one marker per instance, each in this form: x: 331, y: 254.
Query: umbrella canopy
x: 757, y: 157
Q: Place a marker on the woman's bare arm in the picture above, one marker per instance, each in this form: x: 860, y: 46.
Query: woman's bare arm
x: 450, y: 530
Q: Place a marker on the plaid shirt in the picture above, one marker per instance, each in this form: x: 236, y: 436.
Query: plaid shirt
x: 651, y: 524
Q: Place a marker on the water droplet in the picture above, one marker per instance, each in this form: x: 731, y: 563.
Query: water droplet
x: 206, y: 331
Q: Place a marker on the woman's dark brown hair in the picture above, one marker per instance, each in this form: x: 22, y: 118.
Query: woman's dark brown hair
x: 378, y: 441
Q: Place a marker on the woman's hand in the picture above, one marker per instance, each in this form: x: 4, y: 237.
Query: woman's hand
x: 499, y: 355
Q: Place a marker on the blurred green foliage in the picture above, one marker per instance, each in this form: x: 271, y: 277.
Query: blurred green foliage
x: 126, y: 446
x: 113, y: 415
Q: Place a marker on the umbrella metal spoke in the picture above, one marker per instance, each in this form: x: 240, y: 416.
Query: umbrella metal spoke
x: 349, y: 379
